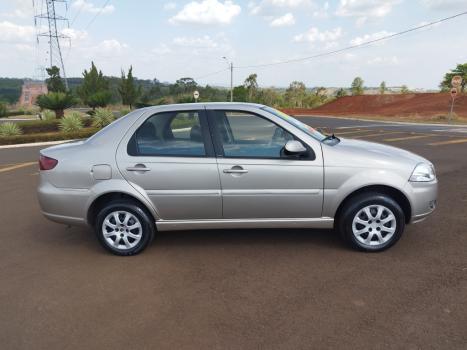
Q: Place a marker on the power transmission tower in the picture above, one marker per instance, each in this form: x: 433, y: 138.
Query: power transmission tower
x: 53, y: 34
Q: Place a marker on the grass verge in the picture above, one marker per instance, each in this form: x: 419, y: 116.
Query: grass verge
x: 48, y: 136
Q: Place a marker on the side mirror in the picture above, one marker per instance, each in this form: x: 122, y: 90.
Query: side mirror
x: 294, y: 147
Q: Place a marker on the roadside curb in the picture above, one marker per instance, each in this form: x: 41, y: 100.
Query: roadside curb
x: 35, y: 144
x: 382, y: 121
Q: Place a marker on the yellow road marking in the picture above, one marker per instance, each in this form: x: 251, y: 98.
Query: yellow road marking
x: 17, y: 166
x: 408, y: 138
x: 448, y: 142
x: 381, y: 133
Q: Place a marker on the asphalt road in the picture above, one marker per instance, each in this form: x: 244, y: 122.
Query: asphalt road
x: 250, y: 289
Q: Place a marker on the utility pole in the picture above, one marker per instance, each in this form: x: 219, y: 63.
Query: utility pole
x: 231, y: 81
x: 231, y: 76
x: 53, y: 35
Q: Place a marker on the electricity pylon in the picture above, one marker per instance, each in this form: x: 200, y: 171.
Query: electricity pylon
x: 53, y: 34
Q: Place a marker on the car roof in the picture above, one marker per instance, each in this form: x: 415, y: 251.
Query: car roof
x: 202, y: 105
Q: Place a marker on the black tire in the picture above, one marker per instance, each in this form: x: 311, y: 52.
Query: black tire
x: 141, y: 214
x: 359, y: 202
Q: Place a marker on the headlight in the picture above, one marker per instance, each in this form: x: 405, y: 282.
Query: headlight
x: 423, y: 173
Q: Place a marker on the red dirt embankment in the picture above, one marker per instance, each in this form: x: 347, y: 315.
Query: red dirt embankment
x: 432, y: 105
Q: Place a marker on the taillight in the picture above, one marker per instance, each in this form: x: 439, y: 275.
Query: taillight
x: 47, y: 163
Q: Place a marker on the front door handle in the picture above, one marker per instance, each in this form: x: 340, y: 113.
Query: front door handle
x: 235, y: 170
x: 138, y: 167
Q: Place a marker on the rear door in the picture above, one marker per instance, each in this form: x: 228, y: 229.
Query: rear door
x: 257, y: 179
x: 170, y: 157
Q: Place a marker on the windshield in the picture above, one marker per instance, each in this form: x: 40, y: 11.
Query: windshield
x: 297, y: 123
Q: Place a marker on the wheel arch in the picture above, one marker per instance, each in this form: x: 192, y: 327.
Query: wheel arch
x: 390, y: 191
x: 104, y: 198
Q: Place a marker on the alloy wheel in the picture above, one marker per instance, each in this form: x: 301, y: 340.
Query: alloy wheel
x: 374, y: 225
x: 122, y: 230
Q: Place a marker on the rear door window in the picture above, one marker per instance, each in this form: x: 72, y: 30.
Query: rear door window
x: 169, y: 134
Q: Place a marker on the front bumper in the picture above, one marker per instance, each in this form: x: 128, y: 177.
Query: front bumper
x: 423, y: 199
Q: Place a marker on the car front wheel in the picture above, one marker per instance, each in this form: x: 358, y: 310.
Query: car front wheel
x: 371, y: 222
x: 124, y: 228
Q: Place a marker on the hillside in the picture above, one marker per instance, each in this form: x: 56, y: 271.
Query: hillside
x: 432, y: 105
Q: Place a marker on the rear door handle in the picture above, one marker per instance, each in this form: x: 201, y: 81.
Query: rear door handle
x: 235, y: 170
x: 138, y: 167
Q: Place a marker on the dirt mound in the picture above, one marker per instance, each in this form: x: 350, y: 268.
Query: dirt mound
x: 434, y: 105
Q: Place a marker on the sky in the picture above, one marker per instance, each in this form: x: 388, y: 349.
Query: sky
x: 170, y: 39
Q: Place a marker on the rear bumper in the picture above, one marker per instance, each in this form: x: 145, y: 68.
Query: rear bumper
x: 67, y: 220
x: 423, y: 198
x: 65, y: 206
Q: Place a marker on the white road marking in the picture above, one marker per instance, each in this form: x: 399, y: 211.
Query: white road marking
x: 363, y: 126
x: 451, y: 130
x: 48, y: 143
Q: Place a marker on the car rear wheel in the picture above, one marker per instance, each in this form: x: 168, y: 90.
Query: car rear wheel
x: 371, y: 222
x: 124, y: 228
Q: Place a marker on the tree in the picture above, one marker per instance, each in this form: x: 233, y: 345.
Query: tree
x: 94, y: 91
x: 3, y: 109
x: 382, y: 88
x: 270, y: 97
x: 295, y: 94
x: 461, y: 69
x: 251, y: 86
x: 357, y: 86
x: 184, y: 85
x: 240, y: 94
x: 321, y: 95
x: 128, y: 90
x: 54, y: 81
x: 56, y: 101
x: 405, y: 89
x: 341, y: 93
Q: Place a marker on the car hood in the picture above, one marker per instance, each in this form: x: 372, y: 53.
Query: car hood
x: 358, y: 153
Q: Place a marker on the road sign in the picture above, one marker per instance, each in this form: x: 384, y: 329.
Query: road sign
x: 456, y: 81
x: 196, y: 95
x: 454, y: 93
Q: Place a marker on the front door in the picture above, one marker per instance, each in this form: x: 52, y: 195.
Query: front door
x: 257, y: 179
x: 170, y: 157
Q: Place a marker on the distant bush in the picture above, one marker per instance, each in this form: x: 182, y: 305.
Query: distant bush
x: 185, y: 99
x: 38, y: 126
x: 124, y: 111
x: 47, y: 114
x: 102, y: 117
x: 14, y: 113
x: 22, y: 111
x: 52, y: 136
x: 29, y: 110
x: 3, y: 110
x: 71, y: 123
x: 9, y: 129
x: 45, y: 126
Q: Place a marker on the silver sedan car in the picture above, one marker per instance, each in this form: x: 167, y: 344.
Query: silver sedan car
x: 232, y: 166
